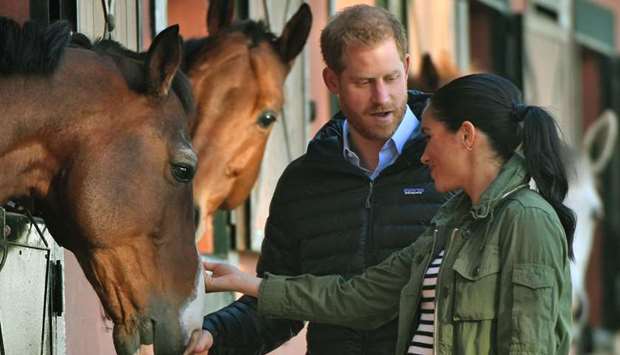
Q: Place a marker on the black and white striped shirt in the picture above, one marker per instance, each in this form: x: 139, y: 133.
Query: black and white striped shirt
x: 422, y: 341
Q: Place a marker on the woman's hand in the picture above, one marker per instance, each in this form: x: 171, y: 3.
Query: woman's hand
x: 225, y: 277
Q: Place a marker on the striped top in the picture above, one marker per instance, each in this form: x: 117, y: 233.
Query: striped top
x: 422, y: 341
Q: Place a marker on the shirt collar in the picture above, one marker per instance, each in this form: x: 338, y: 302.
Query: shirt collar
x: 405, y: 130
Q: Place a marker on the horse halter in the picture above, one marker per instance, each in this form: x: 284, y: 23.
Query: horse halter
x: 108, y: 17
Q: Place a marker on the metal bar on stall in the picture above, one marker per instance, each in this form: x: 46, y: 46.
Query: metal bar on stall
x: 16, y: 244
x: 1, y: 339
x: 266, y: 13
x: 139, y: 24
x: 47, y: 272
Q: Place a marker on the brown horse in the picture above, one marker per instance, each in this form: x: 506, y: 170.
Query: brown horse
x: 99, y: 139
x: 431, y: 75
x: 237, y: 76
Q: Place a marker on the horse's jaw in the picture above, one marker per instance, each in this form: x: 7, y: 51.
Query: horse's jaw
x: 144, y: 317
x: 162, y: 331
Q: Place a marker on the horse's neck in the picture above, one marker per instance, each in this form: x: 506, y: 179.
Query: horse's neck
x: 27, y: 163
x: 29, y: 136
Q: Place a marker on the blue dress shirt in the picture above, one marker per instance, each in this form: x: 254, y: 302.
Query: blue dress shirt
x: 392, y: 148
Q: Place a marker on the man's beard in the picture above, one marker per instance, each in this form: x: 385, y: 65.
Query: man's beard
x: 398, y: 114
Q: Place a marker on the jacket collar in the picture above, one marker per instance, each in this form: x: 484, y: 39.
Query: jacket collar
x: 512, y: 177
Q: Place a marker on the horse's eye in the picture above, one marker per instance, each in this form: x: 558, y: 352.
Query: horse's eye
x: 266, y: 119
x: 183, y: 172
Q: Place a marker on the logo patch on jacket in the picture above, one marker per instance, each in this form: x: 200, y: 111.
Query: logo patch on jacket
x: 413, y: 190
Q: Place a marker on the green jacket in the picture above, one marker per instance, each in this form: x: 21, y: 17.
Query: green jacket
x: 503, y: 287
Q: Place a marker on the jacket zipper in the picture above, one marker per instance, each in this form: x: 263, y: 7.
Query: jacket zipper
x: 369, y: 223
x: 438, y: 290
x: 372, y: 183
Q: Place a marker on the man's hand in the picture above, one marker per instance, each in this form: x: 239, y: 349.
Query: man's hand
x: 199, y: 343
x: 225, y: 277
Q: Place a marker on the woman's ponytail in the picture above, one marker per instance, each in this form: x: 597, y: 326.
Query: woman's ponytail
x: 542, y: 149
x: 494, y: 105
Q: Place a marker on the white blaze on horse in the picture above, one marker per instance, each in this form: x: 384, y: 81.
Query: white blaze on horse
x: 584, y: 199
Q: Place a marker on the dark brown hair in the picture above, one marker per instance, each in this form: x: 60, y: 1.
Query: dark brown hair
x: 359, y: 24
x: 494, y: 105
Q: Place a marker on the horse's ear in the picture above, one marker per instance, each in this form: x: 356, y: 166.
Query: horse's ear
x: 163, y: 60
x: 429, y: 76
x: 295, y: 33
x: 219, y: 15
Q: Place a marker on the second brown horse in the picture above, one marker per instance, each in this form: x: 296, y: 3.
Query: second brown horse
x: 237, y: 76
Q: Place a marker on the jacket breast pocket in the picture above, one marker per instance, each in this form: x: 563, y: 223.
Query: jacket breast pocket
x: 476, y: 287
x: 533, y: 309
x: 532, y: 291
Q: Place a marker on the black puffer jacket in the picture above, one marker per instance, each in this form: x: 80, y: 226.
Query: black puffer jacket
x: 328, y: 217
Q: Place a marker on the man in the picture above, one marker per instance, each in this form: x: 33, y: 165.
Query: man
x: 359, y: 193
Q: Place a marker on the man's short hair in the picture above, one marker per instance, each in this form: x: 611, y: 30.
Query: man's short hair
x: 360, y: 24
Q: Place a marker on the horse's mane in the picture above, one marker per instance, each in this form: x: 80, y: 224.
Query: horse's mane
x: 38, y: 49
x: 255, y: 31
x: 131, y: 65
x: 32, y: 48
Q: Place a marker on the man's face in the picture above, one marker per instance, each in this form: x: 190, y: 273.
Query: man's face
x: 372, y: 89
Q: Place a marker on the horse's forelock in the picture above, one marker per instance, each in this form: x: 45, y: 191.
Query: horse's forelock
x: 255, y: 31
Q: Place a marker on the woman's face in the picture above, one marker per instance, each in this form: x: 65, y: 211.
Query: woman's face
x: 445, y: 154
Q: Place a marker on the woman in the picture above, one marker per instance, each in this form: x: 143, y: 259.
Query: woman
x: 491, y: 275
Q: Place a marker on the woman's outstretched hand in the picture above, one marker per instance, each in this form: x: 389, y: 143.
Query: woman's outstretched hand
x: 225, y: 277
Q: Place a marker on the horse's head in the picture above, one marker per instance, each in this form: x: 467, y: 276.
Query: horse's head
x: 431, y: 75
x: 237, y: 76
x: 106, y: 150
x: 583, y: 198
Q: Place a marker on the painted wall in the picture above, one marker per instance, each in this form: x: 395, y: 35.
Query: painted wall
x: 614, y: 6
x: 88, y: 331
x: 18, y: 10
x: 190, y: 15
x: 480, y: 18
x: 318, y: 92
x: 431, y: 29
